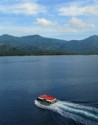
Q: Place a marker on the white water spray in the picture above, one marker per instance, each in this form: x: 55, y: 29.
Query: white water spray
x: 79, y: 113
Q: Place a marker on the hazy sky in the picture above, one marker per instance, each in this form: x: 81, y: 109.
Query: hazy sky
x: 63, y: 19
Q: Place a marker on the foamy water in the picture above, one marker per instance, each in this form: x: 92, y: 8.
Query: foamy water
x: 79, y: 113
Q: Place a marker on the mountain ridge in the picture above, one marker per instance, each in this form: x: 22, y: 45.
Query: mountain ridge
x: 39, y: 45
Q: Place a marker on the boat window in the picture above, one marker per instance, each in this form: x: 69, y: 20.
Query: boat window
x: 48, y: 102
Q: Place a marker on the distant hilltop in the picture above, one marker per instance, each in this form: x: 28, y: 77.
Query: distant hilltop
x: 38, y: 45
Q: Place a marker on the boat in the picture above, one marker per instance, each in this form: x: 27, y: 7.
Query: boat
x: 45, y: 100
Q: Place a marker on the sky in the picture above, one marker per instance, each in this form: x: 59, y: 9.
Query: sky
x: 61, y: 19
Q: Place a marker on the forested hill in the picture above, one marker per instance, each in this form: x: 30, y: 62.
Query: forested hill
x: 38, y: 45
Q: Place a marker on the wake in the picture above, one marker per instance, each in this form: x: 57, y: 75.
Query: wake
x: 79, y: 113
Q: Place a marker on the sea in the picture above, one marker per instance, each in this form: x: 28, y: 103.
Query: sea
x: 73, y: 80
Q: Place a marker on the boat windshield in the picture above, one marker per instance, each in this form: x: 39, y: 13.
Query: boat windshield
x: 44, y: 101
x: 39, y: 99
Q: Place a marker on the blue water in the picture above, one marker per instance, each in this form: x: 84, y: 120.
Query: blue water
x: 72, y: 79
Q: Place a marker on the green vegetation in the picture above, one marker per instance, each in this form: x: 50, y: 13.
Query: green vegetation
x: 37, y: 45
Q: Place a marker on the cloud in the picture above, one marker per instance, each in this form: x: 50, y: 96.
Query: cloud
x: 78, y: 10
x: 22, y: 8
x: 46, y: 27
x: 74, y: 25
x: 79, y: 24
x: 45, y: 22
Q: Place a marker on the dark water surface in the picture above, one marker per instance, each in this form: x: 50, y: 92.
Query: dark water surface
x: 69, y: 78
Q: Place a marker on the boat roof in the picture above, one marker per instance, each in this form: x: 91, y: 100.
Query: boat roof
x: 50, y: 98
